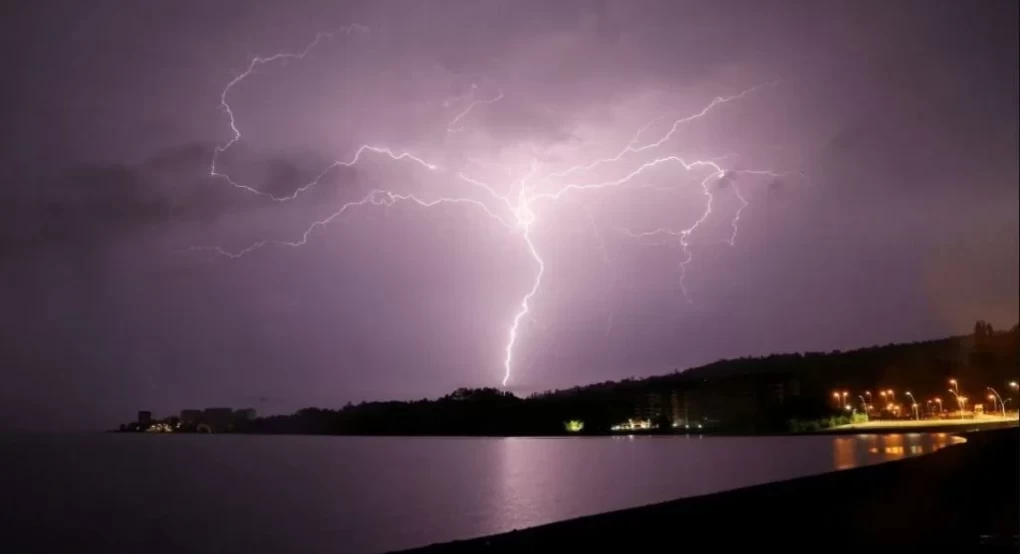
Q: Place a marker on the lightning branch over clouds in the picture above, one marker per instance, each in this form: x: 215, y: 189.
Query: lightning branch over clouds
x: 541, y: 186
x: 469, y: 98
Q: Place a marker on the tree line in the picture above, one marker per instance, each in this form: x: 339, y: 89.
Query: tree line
x: 767, y: 391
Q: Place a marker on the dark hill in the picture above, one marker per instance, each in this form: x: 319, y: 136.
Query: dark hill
x: 744, y: 394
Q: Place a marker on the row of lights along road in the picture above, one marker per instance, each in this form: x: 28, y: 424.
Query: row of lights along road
x: 889, y: 396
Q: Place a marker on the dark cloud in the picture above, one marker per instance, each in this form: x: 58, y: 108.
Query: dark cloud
x: 92, y: 203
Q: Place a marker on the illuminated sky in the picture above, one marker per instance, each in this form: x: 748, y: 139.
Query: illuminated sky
x: 888, y: 213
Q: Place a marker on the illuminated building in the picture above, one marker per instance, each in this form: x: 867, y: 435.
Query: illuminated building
x: 634, y: 425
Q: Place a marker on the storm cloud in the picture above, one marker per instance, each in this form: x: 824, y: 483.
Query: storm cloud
x: 892, y: 128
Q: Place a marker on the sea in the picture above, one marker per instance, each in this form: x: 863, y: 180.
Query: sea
x: 258, y: 494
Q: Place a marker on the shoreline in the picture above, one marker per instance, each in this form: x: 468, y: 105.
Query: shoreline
x: 958, y: 428
x: 965, y: 495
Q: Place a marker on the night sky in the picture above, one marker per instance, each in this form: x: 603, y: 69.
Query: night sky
x: 875, y: 148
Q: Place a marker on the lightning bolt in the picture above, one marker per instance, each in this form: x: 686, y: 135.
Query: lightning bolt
x: 452, y: 126
x: 632, y: 148
x: 514, y: 212
x: 256, y: 62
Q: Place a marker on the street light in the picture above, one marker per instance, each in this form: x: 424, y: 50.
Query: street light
x: 959, y: 401
x: 1014, y: 385
x: 892, y: 395
x: 996, y: 393
x: 914, y: 405
x: 956, y: 386
x: 939, y: 401
x: 863, y: 403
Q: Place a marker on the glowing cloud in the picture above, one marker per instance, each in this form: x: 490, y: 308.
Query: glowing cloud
x: 518, y: 211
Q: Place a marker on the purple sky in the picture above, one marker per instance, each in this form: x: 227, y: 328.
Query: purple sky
x: 892, y: 127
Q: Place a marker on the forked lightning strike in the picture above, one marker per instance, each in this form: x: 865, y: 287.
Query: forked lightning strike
x: 514, y: 212
x: 453, y: 126
x: 630, y: 148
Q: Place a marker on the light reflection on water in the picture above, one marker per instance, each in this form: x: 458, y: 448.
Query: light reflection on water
x: 284, y: 494
x: 865, y: 449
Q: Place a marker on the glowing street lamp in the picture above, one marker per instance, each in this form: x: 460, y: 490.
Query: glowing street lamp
x: 1014, y: 385
x: 959, y: 401
x: 892, y: 395
x: 914, y: 405
x: 992, y: 398
x: 956, y: 386
x: 939, y: 402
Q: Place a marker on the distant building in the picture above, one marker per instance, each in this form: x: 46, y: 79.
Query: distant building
x: 781, y: 391
x: 634, y: 425
x: 245, y: 414
x: 649, y: 407
x: 676, y: 408
x: 191, y: 416
x: 218, y: 419
x: 738, y: 401
x: 144, y: 416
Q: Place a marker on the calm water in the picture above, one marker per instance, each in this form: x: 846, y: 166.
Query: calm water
x: 277, y: 494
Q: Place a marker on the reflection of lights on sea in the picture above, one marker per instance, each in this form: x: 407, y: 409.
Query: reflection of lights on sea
x: 892, y: 446
x: 844, y: 452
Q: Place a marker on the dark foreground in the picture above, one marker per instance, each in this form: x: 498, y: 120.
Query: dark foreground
x: 964, y: 496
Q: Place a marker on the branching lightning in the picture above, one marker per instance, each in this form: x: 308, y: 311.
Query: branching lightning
x: 454, y: 125
x: 516, y: 211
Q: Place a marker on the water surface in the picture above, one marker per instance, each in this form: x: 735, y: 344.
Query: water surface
x: 115, y: 493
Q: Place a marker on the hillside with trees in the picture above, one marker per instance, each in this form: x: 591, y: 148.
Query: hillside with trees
x: 744, y: 394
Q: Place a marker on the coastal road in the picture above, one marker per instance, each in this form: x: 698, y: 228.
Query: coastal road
x: 914, y: 425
